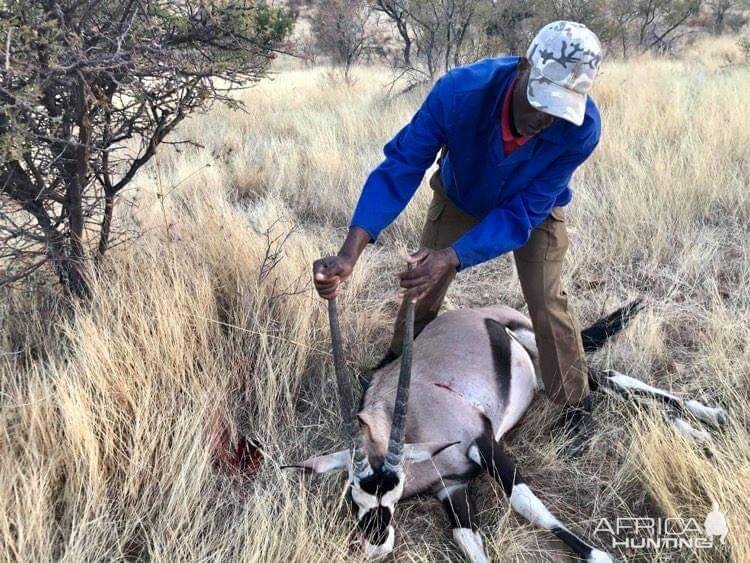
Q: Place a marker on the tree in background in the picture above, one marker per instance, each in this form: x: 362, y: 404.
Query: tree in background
x: 658, y: 22
x: 341, y: 31
x: 88, y: 91
x: 436, y: 34
x: 505, y: 24
x: 396, y: 11
x: 727, y: 13
x: 632, y: 26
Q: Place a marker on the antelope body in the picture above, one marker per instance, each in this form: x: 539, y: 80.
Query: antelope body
x: 472, y: 377
x: 466, y: 371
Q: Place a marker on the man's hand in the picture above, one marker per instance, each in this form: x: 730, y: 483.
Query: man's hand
x: 329, y: 272
x: 429, y: 267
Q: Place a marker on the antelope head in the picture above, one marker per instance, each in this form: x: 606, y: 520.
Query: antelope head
x: 375, y: 487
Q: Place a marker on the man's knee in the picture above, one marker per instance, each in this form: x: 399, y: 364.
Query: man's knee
x: 552, y: 310
x: 542, y: 288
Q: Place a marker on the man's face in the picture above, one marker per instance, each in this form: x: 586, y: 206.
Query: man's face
x: 526, y: 118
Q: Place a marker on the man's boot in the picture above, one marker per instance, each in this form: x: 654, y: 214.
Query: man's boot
x: 577, y: 426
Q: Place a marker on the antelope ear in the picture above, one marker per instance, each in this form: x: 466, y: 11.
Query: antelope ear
x: 373, y: 426
x: 337, y: 461
x: 425, y: 450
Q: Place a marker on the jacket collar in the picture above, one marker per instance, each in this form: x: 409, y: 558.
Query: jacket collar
x: 553, y: 133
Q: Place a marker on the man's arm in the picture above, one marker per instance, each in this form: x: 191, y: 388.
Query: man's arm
x: 509, y: 226
x: 505, y: 228
x: 388, y: 188
x: 391, y: 185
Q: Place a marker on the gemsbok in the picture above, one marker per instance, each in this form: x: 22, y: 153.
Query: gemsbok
x: 471, y: 376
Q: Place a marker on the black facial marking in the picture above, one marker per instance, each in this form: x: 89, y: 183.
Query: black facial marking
x: 500, y: 344
x: 374, y: 524
x: 379, y: 483
x: 582, y: 549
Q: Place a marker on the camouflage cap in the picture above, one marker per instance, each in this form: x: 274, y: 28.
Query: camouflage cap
x: 564, y: 59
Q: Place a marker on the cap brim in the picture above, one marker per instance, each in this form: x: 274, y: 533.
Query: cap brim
x: 558, y: 101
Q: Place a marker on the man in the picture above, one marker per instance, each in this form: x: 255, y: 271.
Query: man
x: 510, y: 132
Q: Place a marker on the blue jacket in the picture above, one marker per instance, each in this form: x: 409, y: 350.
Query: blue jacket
x: 509, y: 195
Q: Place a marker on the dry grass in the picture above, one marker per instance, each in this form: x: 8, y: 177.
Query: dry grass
x: 109, y: 417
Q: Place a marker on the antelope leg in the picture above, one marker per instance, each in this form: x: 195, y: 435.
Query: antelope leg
x: 490, y: 455
x: 624, y: 387
x: 682, y: 426
x: 461, y: 509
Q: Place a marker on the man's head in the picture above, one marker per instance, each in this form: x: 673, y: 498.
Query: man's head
x: 556, y: 76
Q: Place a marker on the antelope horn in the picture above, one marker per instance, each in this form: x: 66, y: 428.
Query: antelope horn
x: 398, y: 426
x: 361, y: 463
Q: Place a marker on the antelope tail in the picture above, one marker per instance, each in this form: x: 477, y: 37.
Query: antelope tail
x: 598, y: 333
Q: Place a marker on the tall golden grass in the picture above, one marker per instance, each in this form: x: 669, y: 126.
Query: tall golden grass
x: 206, y: 326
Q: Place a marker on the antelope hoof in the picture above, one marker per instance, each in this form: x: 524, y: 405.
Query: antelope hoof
x: 598, y: 556
x: 471, y: 544
x: 713, y: 416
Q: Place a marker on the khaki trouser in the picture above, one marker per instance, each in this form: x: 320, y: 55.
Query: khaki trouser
x: 539, y: 265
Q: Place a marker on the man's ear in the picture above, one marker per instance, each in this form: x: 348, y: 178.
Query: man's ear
x: 425, y: 450
x: 523, y: 64
x: 337, y: 461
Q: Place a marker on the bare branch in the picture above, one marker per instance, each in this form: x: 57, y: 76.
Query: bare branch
x: 93, y: 90
x: 7, y: 49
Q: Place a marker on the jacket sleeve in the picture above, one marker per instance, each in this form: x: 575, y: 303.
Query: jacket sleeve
x: 509, y: 226
x: 391, y: 185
